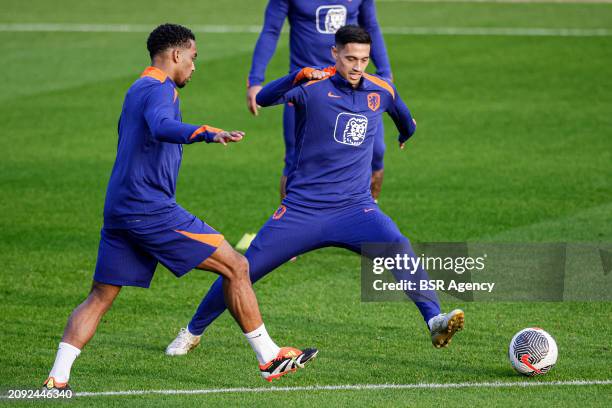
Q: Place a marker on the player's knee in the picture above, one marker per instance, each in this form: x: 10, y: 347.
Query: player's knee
x: 400, y: 241
x: 103, y: 295
x: 239, y: 269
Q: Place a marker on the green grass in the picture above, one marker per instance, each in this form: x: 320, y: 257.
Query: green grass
x: 514, y: 144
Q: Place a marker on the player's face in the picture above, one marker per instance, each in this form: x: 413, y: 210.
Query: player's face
x: 185, y: 63
x: 351, y: 61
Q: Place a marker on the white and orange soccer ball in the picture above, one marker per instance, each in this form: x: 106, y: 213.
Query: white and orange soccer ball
x: 533, y: 351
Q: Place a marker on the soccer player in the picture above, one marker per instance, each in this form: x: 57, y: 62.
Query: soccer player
x: 143, y: 224
x: 313, y: 24
x: 328, y: 201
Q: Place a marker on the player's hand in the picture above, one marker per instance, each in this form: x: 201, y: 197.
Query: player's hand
x: 228, y: 137
x: 317, y: 74
x: 250, y: 97
x: 403, y: 144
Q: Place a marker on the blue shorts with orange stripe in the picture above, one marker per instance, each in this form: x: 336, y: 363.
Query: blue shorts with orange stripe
x: 129, y: 257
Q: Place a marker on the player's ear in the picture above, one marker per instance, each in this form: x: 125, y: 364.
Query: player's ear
x: 176, y: 55
x: 334, y: 52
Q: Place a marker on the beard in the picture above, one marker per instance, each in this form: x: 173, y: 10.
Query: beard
x: 183, y: 82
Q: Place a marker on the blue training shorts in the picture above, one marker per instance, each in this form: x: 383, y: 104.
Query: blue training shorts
x: 128, y: 257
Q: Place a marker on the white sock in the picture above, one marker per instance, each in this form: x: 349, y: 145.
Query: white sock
x: 263, y: 346
x: 66, y: 354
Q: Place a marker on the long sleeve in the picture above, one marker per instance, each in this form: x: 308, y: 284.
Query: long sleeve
x: 367, y: 19
x: 276, y: 12
x: 402, y: 117
x: 284, y: 89
x: 159, y: 115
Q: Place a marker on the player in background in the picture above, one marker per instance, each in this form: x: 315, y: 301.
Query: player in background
x: 143, y: 224
x: 328, y: 200
x: 313, y: 25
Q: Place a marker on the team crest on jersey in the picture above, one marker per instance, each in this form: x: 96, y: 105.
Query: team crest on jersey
x: 350, y: 129
x: 331, y: 18
x: 373, y: 101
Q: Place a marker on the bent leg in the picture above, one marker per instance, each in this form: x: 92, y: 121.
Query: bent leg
x: 360, y: 226
x: 236, y: 285
x: 286, y: 234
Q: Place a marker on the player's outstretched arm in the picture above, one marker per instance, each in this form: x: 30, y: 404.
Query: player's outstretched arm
x: 276, y: 91
x: 276, y: 12
x: 402, y: 118
x: 159, y: 114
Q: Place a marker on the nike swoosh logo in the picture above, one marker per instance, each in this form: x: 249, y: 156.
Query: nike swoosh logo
x: 368, y: 209
x: 525, y: 360
x: 331, y: 95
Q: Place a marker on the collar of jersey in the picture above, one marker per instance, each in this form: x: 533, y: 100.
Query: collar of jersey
x: 341, y: 83
x: 156, y: 73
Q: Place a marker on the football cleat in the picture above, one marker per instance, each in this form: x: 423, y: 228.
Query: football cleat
x: 444, y: 326
x: 288, y: 360
x: 183, y: 343
x: 51, y: 384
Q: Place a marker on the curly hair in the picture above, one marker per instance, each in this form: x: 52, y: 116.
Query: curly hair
x: 166, y: 36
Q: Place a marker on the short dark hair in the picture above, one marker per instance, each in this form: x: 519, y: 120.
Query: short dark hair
x: 166, y: 36
x: 352, y: 34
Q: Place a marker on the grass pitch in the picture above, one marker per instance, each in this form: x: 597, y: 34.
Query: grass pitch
x: 514, y: 144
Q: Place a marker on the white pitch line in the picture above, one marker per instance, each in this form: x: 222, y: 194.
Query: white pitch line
x: 118, y: 28
x: 355, y: 387
x: 252, y: 29
x: 502, y: 1
x: 500, y: 31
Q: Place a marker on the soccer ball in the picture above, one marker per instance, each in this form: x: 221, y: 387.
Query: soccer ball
x: 532, y: 352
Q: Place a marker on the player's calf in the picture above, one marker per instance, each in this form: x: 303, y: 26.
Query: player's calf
x: 240, y: 299
x: 80, y: 328
x: 237, y: 288
x: 84, y: 320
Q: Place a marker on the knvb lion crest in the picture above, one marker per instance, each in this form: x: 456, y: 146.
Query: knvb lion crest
x: 373, y: 101
x: 330, y: 18
x: 350, y: 129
